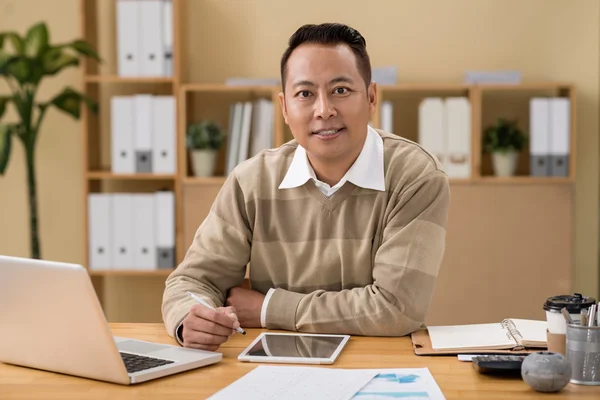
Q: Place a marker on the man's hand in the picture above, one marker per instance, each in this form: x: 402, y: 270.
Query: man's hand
x: 248, y: 304
x: 206, y: 329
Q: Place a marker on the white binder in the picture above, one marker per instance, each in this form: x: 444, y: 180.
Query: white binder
x: 144, y: 243
x: 122, y: 230
x: 387, y: 116
x: 458, y: 127
x: 99, y: 231
x: 234, y: 136
x: 167, y: 15
x: 432, y: 131
x: 121, y: 135
x: 560, y: 137
x: 539, y: 132
x: 152, y: 60
x: 143, y: 133
x: 245, y: 132
x: 163, y: 135
x: 164, y: 202
x: 128, y: 37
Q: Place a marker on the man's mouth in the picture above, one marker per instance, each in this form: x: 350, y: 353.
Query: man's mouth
x: 328, y: 132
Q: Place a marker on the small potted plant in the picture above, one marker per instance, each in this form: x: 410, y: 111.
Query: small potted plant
x: 204, y: 139
x: 504, y: 141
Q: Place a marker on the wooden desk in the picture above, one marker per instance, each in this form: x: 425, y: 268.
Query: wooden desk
x: 457, y: 379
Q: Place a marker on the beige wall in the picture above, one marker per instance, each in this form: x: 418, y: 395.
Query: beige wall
x: 427, y: 40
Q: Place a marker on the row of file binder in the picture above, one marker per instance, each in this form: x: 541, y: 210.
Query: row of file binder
x: 143, y: 138
x: 131, y: 231
x: 550, y: 134
x: 144, y: 38
x: 250, y: 130
x: 445, y: 130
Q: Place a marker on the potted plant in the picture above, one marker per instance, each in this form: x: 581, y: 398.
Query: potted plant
x: 504, y: 140
x: 31, y: 59
x: 203, y: 140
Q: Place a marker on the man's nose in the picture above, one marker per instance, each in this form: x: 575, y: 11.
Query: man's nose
x: 324, y: 108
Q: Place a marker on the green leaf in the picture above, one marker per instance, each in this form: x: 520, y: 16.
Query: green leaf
x: 54, y: 60
x: 5, y: 58
x: 84, y: 48
x: 5, y: 145
x: 36, y: 40
x: 69, y: 101
x: 3, y: 102
x: 15, y: 40
x: 21, y: 68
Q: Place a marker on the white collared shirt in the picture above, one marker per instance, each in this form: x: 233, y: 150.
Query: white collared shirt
x: 366, y: 172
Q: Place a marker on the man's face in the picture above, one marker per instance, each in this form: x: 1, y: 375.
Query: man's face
x: 326, y: 103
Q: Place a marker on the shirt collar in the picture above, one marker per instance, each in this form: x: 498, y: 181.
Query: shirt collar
x: 366, y: 172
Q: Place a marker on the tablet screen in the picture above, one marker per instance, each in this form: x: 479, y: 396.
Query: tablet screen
x: 295, y: 346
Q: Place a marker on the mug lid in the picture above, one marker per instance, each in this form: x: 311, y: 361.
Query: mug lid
x: 574, y: 303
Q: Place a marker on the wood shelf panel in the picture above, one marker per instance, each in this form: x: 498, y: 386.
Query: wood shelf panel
x: 210, y: 180
x: 216, y: 87
x: 130, y: 272
x: 106, y: 175
x: 125, y: 79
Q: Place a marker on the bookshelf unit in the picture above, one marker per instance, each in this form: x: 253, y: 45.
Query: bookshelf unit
x: 194, y: 195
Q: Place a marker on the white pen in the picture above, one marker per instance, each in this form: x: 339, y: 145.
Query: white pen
x: 204, y: 303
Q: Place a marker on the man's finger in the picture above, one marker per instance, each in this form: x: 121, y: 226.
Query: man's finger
x: 212, y: 315
x: 203, y: 337
x: 202, y: 325
x: 209, y: 347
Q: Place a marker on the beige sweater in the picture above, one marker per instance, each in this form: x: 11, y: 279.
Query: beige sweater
x: 361, y: 262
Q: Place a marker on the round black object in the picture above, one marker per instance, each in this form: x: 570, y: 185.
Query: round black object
x: 574, y: 303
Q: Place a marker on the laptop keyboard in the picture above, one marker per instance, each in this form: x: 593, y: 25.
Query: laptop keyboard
x: 136, y: 363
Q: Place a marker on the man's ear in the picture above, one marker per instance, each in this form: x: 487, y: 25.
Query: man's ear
x: 283, y: 107
x: 372, y: 96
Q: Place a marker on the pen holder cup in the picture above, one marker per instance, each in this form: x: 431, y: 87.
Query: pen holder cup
x: 583, y: 352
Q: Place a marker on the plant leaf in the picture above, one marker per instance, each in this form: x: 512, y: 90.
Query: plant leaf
x: 36, y: 40
x: 5, y: 145
x: 69, y: 101
x: 84, y: 48
x: 54, y: 60
x: 15, y: 40
x: 3, y: 102
x: 5, y: 58
x: 21, y: 68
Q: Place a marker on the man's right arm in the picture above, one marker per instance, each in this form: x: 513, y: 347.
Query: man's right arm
x: 216, y: 260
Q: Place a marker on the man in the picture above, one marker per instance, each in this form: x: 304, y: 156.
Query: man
x: 343, y: 227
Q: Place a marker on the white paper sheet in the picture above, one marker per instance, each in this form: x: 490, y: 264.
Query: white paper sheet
x: 291, y: 383
x: 402, y: 383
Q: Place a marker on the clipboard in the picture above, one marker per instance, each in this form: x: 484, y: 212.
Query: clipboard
x: 422, y: 347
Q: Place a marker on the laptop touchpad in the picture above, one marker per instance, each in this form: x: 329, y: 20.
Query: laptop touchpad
x: 134, y: 346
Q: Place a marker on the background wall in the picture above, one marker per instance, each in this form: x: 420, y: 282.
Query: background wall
x: 436, y: 41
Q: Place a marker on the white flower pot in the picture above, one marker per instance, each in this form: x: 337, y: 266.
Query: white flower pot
x: 505, y: 163
x: 203, y: 162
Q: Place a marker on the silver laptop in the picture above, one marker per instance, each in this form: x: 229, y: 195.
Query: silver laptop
x: 51, y: 319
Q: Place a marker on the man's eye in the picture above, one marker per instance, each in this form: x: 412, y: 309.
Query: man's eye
x: 340, y: 90
x: 304, y: 93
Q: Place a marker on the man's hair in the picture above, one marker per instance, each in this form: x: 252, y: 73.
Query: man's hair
x: 330, y: 34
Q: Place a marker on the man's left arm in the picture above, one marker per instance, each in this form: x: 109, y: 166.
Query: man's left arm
x: 404, y: 274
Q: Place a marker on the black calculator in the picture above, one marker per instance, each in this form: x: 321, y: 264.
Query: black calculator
x: 509, y: 364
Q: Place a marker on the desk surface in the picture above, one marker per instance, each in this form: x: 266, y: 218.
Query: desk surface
x: 457, y: 379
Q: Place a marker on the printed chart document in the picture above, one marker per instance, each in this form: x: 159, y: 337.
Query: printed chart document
x: 273, y: 382
x: 295, y: 383
x: 402, y: 383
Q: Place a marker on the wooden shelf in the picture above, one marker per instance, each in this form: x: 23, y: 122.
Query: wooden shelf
x: 216, y: 87
x: 130, y: 272
x: 526, y: 180
x: 527, y: 86
x: 107, y: 175
x: 211, y: 180
x: 126, y: 79
x: 424, y: 87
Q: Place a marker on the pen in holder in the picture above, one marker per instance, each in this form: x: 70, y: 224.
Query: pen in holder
x: 583, y: 352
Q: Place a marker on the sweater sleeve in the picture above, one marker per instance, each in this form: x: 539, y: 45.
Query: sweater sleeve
x: 405, y: 270
x: 216, y: 260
